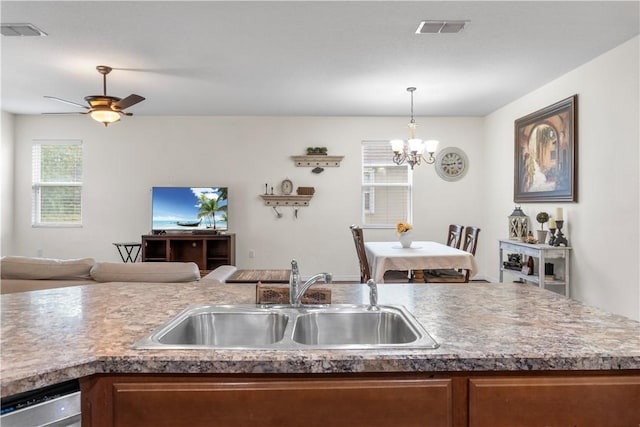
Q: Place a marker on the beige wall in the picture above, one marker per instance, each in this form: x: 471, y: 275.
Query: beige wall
x: 6, y: 183
x: 124, y: 161
x: 603, y: 226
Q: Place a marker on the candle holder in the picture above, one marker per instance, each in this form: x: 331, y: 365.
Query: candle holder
x: 552, y: 238
x: 560, y: 239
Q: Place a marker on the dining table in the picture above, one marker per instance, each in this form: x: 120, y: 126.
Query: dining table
x: 421, y: 255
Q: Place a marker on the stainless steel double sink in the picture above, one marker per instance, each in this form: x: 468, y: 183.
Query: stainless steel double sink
x: 336, y: 326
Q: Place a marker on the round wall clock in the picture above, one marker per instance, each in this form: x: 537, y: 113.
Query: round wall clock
x: 451, y: 164
x: 286, y: 187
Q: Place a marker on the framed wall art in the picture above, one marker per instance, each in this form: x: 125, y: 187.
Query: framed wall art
x: 545, y: 154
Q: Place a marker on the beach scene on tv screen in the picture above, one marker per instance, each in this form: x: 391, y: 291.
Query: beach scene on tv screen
x: 189, y: 208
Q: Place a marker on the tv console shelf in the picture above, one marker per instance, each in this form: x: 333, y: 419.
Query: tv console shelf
x: 209, y: 251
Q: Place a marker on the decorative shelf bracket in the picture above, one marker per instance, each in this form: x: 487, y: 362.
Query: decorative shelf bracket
x: 319, y: 160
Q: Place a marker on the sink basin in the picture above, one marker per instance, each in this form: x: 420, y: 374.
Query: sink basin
x: 222, y: 326
x: 353, y: 327
x: 336, y: 326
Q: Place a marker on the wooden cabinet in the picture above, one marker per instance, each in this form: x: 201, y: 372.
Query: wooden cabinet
x: 582, y: 401
x: 267, y: 402
x: 558, y: 256
x: 208, y: 251
x: 454, y: 399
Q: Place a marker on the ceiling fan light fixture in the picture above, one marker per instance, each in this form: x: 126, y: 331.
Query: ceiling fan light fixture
x: 104, y: 108
x: 106, y: 116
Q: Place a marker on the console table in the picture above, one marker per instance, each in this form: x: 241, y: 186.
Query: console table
x: 559, y: 256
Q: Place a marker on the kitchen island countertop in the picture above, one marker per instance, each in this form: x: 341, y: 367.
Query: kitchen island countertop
x: 51, y: 336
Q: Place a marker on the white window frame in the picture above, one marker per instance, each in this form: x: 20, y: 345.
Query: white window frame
x: 37, y: 185
x: 369, y: 186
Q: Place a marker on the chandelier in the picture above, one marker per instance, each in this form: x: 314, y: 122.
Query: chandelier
x: 411, y: 150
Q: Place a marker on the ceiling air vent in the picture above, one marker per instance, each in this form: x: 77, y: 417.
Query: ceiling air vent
x: 21, y: 30
x: 436, y: 27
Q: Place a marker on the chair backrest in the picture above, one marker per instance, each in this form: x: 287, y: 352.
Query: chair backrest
x: 471, y: 239
x: 454, y: 239
x: 358, y: 239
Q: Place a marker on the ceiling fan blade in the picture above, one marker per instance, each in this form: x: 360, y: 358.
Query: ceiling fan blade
x: 69, y: 112
x: 67, y: 102
x: 130, y: 100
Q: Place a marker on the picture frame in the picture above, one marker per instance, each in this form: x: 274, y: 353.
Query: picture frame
x: 545, y: 154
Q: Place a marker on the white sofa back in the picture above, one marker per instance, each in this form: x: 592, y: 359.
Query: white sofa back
x: 21, y: 274
x: 28, y: 268
x: 155, y: 272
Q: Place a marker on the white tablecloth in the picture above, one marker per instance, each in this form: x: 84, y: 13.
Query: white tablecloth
x: 384, y: 256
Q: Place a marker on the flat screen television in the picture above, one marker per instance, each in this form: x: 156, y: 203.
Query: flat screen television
x: 189, y: 208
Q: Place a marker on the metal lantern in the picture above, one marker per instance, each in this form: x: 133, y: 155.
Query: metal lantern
x: 518, y: 225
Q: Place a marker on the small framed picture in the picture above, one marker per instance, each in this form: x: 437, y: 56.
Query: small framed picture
x: 525, y: 270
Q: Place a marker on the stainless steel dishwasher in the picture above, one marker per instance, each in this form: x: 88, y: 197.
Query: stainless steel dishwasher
x: 54, y: 406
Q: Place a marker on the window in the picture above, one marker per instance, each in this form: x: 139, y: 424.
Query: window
x: 386, y: 187
x: 57, y: 183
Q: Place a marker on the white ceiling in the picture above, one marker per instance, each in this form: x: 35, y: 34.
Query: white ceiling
x: 337, y: 58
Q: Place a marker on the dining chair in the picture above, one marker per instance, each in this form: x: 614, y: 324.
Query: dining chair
x: 454, y: 239
x: 365, y: 269
x: 451, y: 275
x: 471, y: 240
x: 358, y: 239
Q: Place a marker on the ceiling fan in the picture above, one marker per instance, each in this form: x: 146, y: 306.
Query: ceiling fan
x: 104, y: 108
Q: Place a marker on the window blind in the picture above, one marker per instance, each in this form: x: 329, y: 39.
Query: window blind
x: 386, y: 187
x: 56, y: 183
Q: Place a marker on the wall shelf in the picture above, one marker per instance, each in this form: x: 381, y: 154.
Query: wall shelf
x: 317, y: 160
x: 291, y: 200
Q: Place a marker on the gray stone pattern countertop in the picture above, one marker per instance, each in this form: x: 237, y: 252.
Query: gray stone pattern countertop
x: 50, y: 336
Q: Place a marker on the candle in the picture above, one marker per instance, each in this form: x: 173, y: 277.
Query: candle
x: 559, y: 214
x: 552, y: 224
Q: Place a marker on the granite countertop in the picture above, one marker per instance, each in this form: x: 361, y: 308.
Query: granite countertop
x: 53, y: 335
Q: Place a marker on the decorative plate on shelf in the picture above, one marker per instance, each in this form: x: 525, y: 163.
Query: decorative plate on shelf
x: 286, y: 187
x: 451, y: 164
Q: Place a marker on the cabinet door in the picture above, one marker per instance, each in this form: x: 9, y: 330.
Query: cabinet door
x: 579, y: 401
x: 281, y: 403
x: 154, y: 249
x: 188, y: 250
x: 218, y: 252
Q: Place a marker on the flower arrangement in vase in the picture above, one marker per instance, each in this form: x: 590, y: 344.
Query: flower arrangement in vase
x: 404, y: 232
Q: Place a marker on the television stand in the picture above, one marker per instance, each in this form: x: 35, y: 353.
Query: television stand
x: 207, y: 250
